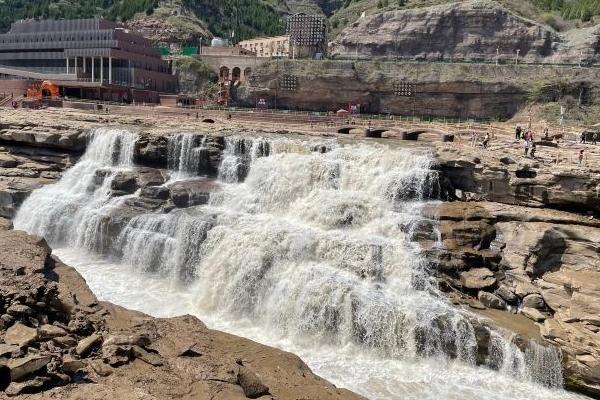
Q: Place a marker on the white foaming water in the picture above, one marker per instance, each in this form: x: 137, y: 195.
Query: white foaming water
x: 184, y: 155
x: 306, y: 248
x: 73, y: 211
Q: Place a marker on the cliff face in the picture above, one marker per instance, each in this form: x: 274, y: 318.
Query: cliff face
x: 472, y: 30
x: 451, y: 90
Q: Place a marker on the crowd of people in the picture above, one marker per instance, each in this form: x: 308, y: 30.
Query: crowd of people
x: 526, y: 136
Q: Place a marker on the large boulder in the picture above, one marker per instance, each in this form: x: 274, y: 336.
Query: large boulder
x: 477, y: 278
x: 192, y: 192
x: 490, y: 300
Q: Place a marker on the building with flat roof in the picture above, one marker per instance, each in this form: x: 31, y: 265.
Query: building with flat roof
x: 275, y: 46
x: 87, y: 58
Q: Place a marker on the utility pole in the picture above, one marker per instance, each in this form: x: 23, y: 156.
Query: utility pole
x: 497, y: 55
x: 517, y: 57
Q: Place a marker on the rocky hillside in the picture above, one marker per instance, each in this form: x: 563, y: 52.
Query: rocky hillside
x: 477, y: 30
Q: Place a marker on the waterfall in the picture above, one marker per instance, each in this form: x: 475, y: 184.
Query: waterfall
x: 75, y: 210
x: 309, y: 239
x: 185, y: 154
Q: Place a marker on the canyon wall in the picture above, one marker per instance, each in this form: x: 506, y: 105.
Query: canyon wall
x: 444, y: 90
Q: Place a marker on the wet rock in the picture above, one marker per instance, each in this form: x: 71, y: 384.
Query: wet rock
x: 20, y: 335
x: 533, y: 300
x: 149, y: 177
x: 506, y: 294
x: 491, y: 301
x: 477, y: 278
x: 85, y: 346
x: 192, y: 193
x: 533, y: 314
x: 124, y: 182
x: 251, y: 384
x: 155, y: 192
x: 21, y: 367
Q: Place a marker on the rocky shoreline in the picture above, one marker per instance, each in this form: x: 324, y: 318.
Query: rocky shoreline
x: 61, y: 342
x: 519, y: 239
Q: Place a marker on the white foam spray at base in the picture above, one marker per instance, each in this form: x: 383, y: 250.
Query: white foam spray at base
x: 306, y: 250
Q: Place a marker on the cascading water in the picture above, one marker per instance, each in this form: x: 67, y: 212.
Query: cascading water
x: 73, y: 212
x: 184, y: 155
x: 306, y: 246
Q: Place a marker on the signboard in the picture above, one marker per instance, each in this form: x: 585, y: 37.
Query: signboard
x: 262, y: 102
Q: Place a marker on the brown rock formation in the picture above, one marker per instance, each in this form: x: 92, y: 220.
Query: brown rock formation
x: 471, y: 30
x: 548, y: 271
x: 59, y: 340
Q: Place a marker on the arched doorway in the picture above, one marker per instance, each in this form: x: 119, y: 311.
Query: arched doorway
x: 236, y: 74
x: 224, y: 73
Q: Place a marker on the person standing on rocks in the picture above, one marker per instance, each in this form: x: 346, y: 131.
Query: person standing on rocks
x: 518, y: 132
x: 486, y: 140
x: 582, y: 137
x: 595, y: 138
x: 581, y: 157
x: 546, y: 134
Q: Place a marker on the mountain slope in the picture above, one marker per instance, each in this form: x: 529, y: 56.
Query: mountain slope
x: 177, y: 20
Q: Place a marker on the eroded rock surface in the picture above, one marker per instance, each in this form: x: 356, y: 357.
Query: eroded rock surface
x: 543, y: 264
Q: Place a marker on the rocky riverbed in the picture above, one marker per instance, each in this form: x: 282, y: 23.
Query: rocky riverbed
x: 516, y: 241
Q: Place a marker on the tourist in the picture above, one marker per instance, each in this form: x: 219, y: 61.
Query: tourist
x: 581, y: 157
x: 582, y: 137
x: 526, y: 146
x: 546, y: 134
x: 486, y: 140
x: 595, y: 138
x: 532, y: 150
x: 518, y: 132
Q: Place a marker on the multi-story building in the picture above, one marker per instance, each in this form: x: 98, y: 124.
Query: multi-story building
x: 275, y: 46
x: 89, y: 58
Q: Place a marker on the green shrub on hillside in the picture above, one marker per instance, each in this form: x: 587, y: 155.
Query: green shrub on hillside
x: 122, y: 10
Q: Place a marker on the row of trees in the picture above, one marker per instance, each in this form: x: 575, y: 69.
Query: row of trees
x: 122, y: 10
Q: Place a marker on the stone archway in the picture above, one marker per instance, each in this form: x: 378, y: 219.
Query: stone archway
x: 224, y: 73
x: 236, y: 74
